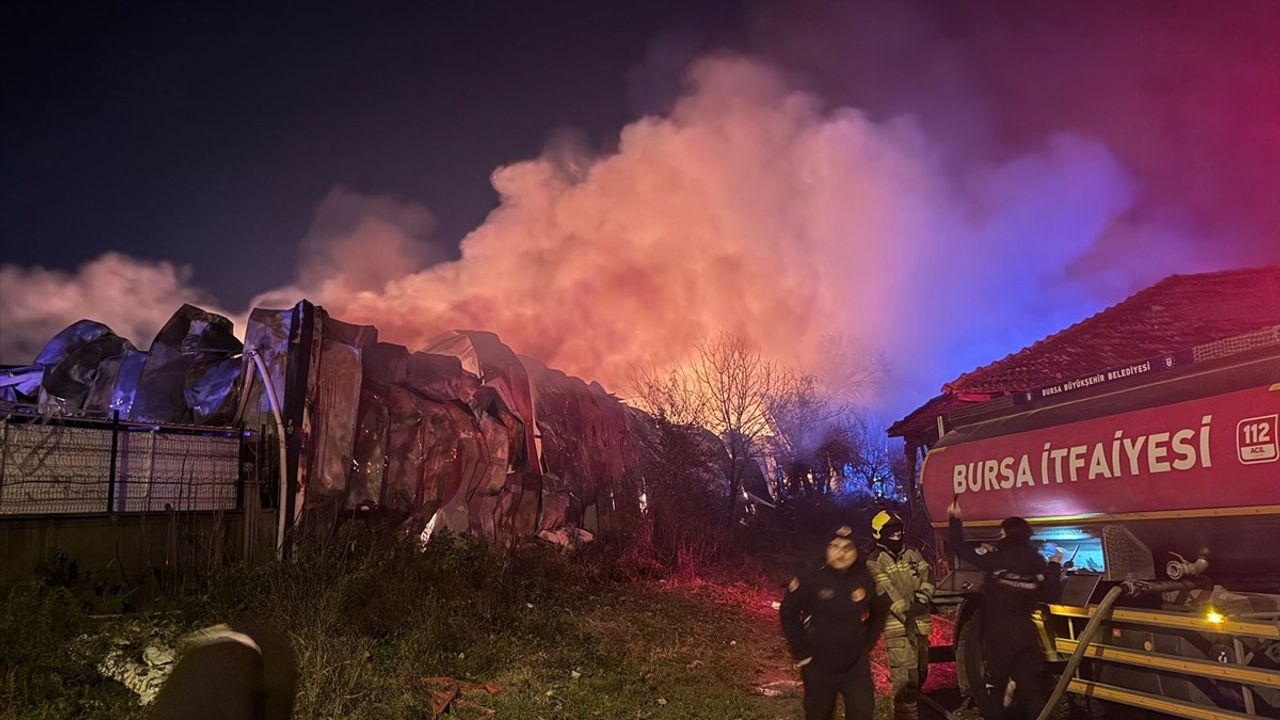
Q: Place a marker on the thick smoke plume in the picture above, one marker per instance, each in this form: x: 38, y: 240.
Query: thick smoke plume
x: 751, y: 206
x: 754, y: 208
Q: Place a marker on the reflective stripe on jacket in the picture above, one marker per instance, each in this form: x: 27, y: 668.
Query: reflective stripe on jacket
x: 900, y: 577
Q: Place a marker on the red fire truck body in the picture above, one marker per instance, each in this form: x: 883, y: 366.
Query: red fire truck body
x: 1167, y: 486
x: 1189, y: 465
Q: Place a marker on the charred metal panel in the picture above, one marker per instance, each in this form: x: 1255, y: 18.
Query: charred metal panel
x: 187, y: 347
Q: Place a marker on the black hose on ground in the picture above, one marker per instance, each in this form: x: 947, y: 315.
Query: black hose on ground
x: 1086, y: 638
x: 934, y: 706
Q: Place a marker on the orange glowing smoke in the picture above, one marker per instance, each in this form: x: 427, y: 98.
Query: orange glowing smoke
x: 751, y: 208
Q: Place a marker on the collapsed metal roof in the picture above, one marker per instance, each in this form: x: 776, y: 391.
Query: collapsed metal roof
x: 461, y: 434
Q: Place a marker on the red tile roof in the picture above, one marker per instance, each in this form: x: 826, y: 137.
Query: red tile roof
x: 1176, y: 314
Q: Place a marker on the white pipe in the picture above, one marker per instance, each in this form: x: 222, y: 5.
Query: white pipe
x: 280, y: 438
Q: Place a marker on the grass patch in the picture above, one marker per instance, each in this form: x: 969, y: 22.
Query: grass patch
x: 48, y: 659
x: 565, y: 635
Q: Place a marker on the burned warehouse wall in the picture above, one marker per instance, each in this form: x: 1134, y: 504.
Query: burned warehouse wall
x: 460, y: 435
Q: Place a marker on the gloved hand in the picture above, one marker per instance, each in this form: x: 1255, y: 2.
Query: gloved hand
x: 920, y: 603
x: 900, y: 609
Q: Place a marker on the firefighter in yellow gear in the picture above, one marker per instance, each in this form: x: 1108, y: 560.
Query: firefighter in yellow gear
x: 903, y: 575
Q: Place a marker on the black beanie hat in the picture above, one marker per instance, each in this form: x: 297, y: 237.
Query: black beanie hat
x: 1016, y: 529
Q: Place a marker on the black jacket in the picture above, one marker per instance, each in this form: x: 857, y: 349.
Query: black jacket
x: 1018, y: 579
x: 845, y: 616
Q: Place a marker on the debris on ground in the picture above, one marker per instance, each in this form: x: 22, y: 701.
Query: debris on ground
x: 567, y: 537
x: 447, y: 696
x: 144, y: 676
x: 780, y: 688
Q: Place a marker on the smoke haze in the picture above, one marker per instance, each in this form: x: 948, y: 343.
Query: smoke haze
x: 936, y: 188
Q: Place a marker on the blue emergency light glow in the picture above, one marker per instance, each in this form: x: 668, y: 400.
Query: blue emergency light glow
x: 1079, y: 546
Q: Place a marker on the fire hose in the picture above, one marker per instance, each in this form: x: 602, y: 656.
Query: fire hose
x: 1086, y: 639
x: 934, y: 706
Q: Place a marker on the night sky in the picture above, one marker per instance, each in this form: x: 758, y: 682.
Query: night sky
x: 206, y: 133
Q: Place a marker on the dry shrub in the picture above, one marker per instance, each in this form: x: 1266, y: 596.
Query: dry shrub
x: 684, y: 529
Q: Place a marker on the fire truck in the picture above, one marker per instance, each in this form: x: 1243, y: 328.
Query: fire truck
x: 1160, y: 482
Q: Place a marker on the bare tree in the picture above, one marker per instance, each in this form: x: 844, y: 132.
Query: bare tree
x: 748, y: 399
x: 729, y: 388
x: 799, y: 415
x: 873, y: 458
x: 852, y: 446
x: 672, y: 395
x: 815, y: 418
x: 740, y: 386
x: 838, y: 449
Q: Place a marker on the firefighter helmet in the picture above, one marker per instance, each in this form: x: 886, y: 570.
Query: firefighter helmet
x: 882, y: 520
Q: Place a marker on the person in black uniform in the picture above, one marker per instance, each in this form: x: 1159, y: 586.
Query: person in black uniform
x: 845, y: 616
x: 1017, y: 580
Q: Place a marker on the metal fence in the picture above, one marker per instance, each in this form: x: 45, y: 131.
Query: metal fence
x: 77, y: 466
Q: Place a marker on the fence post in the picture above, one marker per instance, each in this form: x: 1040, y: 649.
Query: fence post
x: 115, y: 452
x: 4, y: 459
x: 242, y: 473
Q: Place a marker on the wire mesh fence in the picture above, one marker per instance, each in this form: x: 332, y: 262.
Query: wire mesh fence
x: 75, y: 466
